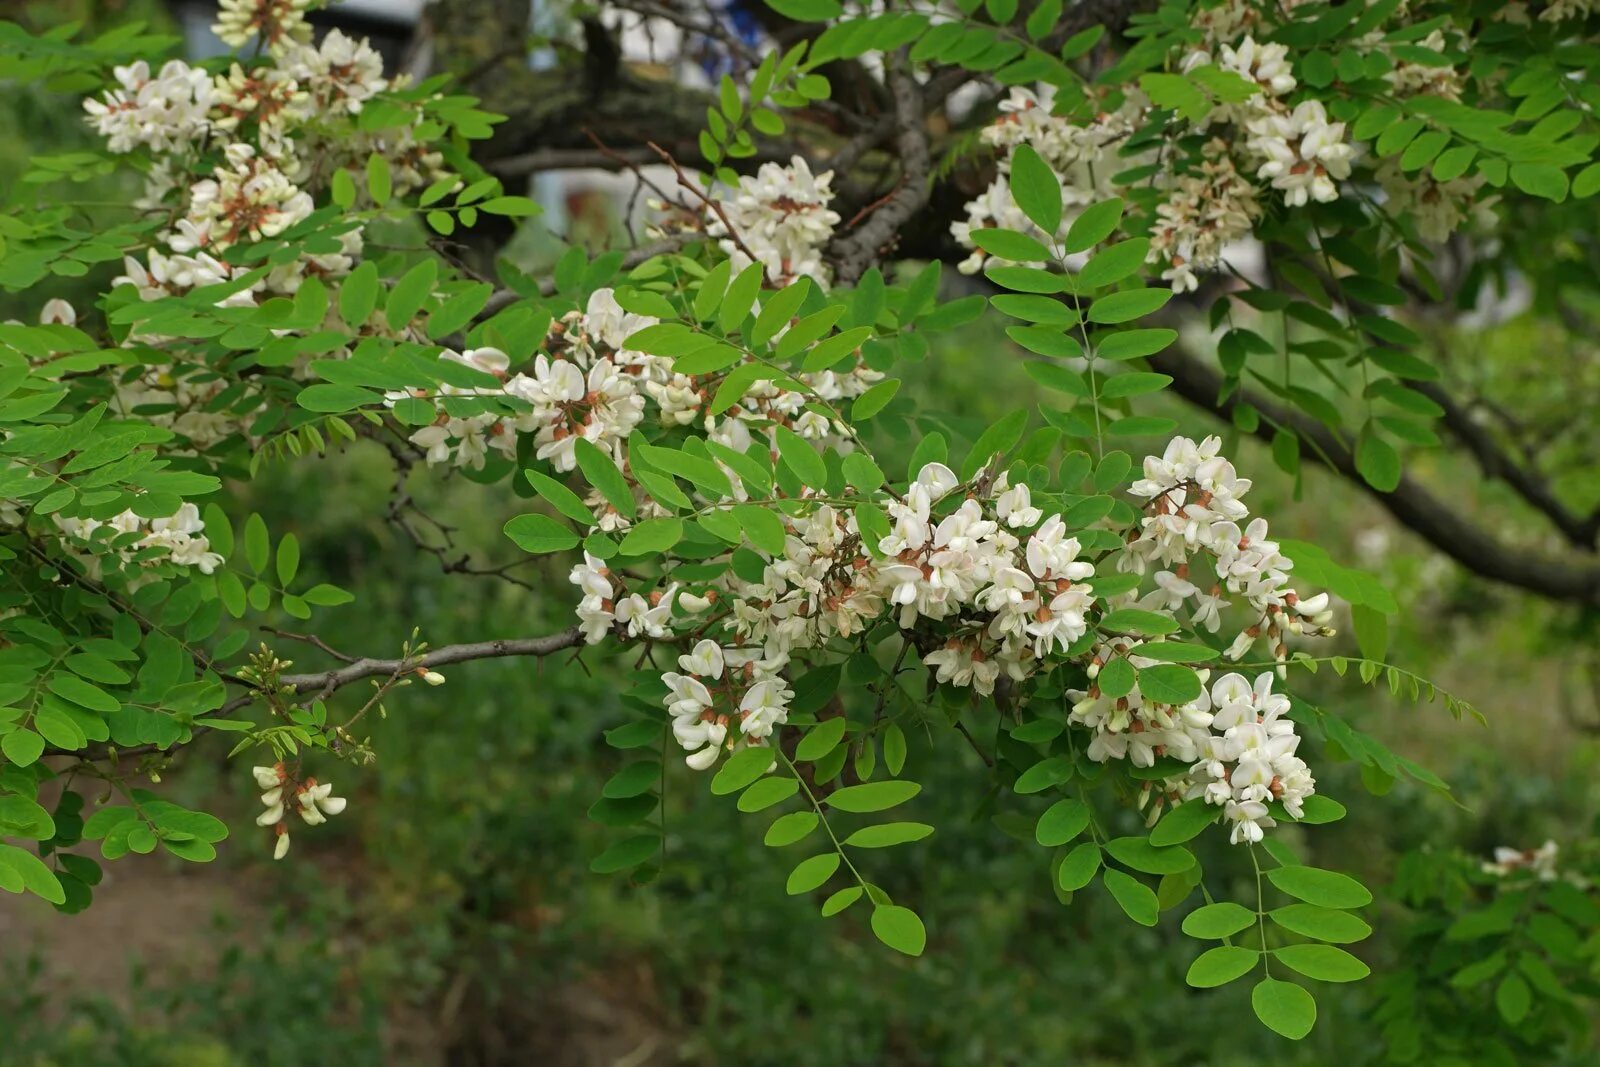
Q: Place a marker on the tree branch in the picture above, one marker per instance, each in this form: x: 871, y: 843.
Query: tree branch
x: 1410, y: 503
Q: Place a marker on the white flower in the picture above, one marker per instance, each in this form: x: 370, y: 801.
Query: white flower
x: 781, y: 216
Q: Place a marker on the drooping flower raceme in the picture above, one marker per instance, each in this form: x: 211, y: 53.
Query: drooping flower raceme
x: 780, y: 216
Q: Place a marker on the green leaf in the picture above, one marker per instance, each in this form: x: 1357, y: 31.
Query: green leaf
x: 1513, y: 998
x: 410, y: 293
x: 1141, y: 855
x: 539, y: 534
x: 1134, y: 620
x: 873, y: 400
x: 808, y: 874
x: 1377, y: 461
x: 807, y: 10
x: 841, y: 900
x: 1137, y: 383
x: 1328, y: 889
x: 763, y: 527
x: 1137, y: 900
x: 1284, y: 1007
x: 1061, y: 822
x: 767, y: 792
x: 899, y: 928
x: 517, y: 207
x: 1113, y: 264
x: 821, y: 739
x: 1097, y: 222
x: 1169, y: 683
x: 1008, y: 244
x: 75, y: 689
x: 1216, y: 921
x: 1131, y: 344
x: 632, y: 780
x: 560, y: 497
x: 1035, y: 188
x: 1184, y: 822
x: 22, y: 747
x: 1043, y: 775
x: 602, y: 473
x: 872, y: 796
x: 1322, y: 962
x: 1128, y: 305
x: 791, y: 828
x: 625, y: 854
x: 1078, y: 868
x: 800, y: 457
x: 742, y: 768
x: 1544, y: 180
x: 887, y: 834
x: 35, y: 876
x: 1324, y: 924
x: 1221, y: 965
x: 288, y: 559
x: 380, y: 184
x: 651, y: 537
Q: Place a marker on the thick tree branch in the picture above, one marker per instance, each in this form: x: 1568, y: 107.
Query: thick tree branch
x: 1495, y: 462
x: 1412, y: 504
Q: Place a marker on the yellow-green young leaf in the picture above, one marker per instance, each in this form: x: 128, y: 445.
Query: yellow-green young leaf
x: 740, y: 295
x: 22, y: 747
x: 651, y: 536
x: 1328, y: 889
x: 36, y: 878
x: 1216, y: 921
x: 1137, y: 900
x: 894, y: 749
x: 767, y: 792
x: 808, y: 874
x: 380, y: 184
x: 888, y: 834
x: 742, y: 768
x: 790, y: 828
x: 808, y: 330
x: 511, y: 207
x: 835, y: 349
x: 764, y: 529
x: 1324, y: 924
x: 343, y: 188
x: 821, y: 739
x: 288, y: 559
x: 840, y: 901
x: 539, y: 534
x: 873, y: 796
x: 1322, y: 962
x: 1284, y: 1007
x: 1221, y: 965
x: 899, y: 928
x: 711, y: 289
x: 777, y: 310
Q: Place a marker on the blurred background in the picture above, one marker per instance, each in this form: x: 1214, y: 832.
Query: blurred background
x: 450, y: 917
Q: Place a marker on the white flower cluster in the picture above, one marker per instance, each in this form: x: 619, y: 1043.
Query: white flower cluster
x: 1083, y: 156
x: 179, y: 538
x: 587, y: 384
x: 165, y: 113
x: 1208, y: 209
x: 282, y: 793
x: 717, y: 686
x: 1439, y: 208
x: 1541, y: 861
x: 279, y: 25
x: 780, y: 216
x: 1296, y: 149
x: 1191, y: 524
x: 273, y: 124
x: 1235, y: 737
